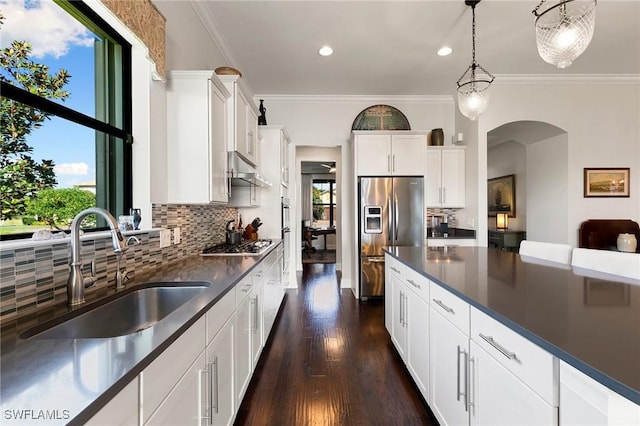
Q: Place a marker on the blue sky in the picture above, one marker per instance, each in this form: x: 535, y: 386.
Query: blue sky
x: 58, y: 42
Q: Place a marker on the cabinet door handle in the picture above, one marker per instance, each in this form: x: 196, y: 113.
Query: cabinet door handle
x: 414, y: 284
x: 443, y: 306
x: 393, y: 162
x: 458, y: 392
x: 466, y: 378
x: 444, y: 195
x: 440, y: 194
x: 205, y: 398
x: 401, y: 310
x: 470, y: 376
x: 490, y: 340
x: 257, y: 313
x: 406, y: 305
x: 214, y: 388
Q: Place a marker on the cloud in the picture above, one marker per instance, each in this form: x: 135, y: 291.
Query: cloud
x: 72, y: 169
x: 44, y: 24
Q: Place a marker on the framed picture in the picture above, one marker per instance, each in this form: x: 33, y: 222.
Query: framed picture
x: 501, y: 195
x: 600, y: 182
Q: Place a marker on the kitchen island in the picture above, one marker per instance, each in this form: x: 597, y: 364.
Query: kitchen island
x: 591, y: 323
x: 62, y: 380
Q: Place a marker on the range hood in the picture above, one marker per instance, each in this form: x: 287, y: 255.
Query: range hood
x: 241, y: 173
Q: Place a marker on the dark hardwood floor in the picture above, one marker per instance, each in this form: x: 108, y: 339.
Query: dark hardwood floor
x: 330, y: 362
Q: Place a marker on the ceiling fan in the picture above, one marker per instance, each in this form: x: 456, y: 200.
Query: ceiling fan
x: 331, y: 167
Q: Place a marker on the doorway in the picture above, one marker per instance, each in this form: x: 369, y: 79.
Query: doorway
x: 319, y: 200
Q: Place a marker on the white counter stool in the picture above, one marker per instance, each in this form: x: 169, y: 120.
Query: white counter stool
x: 553, y: 252
x: 610, y: 262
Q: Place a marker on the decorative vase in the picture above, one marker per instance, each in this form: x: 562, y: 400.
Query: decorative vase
x: 136, y: 218
x: 437, y: 137
x: 627, y: 243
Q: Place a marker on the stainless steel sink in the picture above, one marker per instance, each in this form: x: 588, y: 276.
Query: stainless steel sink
x: 129, y: 312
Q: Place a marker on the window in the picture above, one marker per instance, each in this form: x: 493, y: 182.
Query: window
x: 324, y: 202
x: 69, y: 94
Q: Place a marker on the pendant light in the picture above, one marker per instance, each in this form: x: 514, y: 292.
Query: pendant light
x: 473, y: 87
x: 564, y: 30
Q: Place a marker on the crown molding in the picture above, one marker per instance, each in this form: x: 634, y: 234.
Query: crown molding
x: 356, y: 99
x: 211, y: 26
x: 567, y: 79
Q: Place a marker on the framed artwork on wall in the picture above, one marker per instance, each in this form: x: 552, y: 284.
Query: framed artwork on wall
x: 602, y: 182
x: 501, y: 195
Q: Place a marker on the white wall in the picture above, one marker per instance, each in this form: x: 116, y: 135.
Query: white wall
x: 506, y: 159
x: 603, y: 130
x: 547, y: 190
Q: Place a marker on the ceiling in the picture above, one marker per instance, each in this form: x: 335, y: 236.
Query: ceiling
x: 389, y: 47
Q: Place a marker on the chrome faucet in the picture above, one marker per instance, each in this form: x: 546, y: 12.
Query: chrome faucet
x: 122, y: 274
x: 77, y: 281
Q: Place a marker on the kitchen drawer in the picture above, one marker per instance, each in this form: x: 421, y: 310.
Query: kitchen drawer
x: 263, y: 267
x: 450, y: 306
x: 220, y: 313
x: 414, y: 280
x: 243, y: 288
x: 527, y: 361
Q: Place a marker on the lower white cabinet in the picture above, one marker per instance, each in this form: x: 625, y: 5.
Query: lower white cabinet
x: 218, y: 390
x: 172, y: 367
x: 498, y: 397
x: 185, y: 403
x: 585, y: 402
x: 244, y: 333
x: 407, y: 319
x: 449, y: 354
x: 273, y: 293
x: 122, y: 410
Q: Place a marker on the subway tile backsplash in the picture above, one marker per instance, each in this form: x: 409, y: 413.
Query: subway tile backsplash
x: 33, y: 278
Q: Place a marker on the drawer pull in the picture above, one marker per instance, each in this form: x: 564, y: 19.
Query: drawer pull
x: 394, y: 269
x: 499, y: 348
x: 414, y: 284
x: 443, y: 306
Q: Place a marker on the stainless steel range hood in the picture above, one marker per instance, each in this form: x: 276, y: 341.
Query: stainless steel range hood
x: 241, y: 173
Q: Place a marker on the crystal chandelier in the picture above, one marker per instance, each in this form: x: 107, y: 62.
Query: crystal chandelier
x: 564, y: 30
x: 473, y: 86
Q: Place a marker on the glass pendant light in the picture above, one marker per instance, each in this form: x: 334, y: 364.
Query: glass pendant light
x: 564, y: 30
x: 473, y: 86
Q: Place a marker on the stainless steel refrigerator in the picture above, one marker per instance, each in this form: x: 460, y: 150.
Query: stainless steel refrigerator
x: 391, y: 213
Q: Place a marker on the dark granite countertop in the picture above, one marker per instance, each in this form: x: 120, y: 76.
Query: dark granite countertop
x: 453, y: 233
x: 76, y: 377
x: 589, y: 320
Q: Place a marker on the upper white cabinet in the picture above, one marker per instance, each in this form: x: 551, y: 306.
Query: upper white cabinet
x: 196, y: 137
x: 242, y: 119
x: 445, y: 177
x: 390, y: 153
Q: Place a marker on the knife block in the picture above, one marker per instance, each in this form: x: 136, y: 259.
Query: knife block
x: 250, y: 233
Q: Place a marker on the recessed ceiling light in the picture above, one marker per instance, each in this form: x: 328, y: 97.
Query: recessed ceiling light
x: 325, y: 51
x: 445, y: 51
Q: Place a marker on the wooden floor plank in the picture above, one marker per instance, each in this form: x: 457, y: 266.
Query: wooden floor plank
x: 329, y: 361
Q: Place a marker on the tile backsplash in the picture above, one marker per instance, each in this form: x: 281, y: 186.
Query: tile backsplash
x: 35, y: 276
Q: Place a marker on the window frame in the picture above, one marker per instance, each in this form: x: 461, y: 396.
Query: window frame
x: 114, y: 181
x: 332, y: 202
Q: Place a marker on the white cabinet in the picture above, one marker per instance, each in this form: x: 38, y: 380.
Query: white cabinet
x: 445, y: 177
x: 121, y: 410
x: 218, y: 389
x: 585, y: 402
x: 407, y: 319
x: 390, y: 153
x: 242, y: 119
x: 273, y: 293
x: 244, y: 330
x: 175, y: 366
x: 184, y: 404
x: 196, y: 137
x: 514, y: 381
x: 449, y: 357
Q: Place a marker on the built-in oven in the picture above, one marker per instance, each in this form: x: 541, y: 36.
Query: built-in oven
x: 286, y: 235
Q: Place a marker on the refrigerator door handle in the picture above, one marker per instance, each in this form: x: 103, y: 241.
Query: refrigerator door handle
x: 395, y: 214
x: 390, y: 234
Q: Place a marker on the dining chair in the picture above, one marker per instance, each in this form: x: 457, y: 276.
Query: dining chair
x: 553, y: 252
x: 608, y: 261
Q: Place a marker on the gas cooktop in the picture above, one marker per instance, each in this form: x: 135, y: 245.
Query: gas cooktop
x: 244, y: 248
